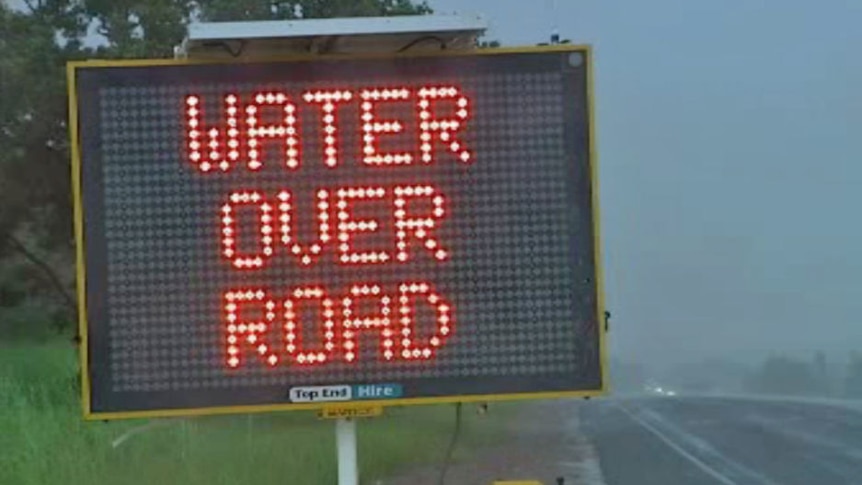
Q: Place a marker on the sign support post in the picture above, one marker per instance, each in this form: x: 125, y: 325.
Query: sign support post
x: 345, y: 442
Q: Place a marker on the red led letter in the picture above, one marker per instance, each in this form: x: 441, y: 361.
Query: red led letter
x: 281, y: 131
x: 421, y: 227
x: 372, y: 127
x: 444, y: 324
x: 329, y: 100
x: 430, y: 122
x: 253, y: 332
x: 211, y: 147
x: 308, y: 254
x: 348, y: 226
x: 229, y: 234
x: 353, y: 323
x: 293, y: 331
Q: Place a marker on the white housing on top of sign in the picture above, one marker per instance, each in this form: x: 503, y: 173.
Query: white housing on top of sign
x: 326, y: 36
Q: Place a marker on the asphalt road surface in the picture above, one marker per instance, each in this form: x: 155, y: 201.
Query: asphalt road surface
x: 708, y: 441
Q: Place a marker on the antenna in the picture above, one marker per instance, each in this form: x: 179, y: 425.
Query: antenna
x: 555, y: 30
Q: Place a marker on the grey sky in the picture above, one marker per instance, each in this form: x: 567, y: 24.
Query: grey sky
x: 731, y: 167
x: 730, y: 137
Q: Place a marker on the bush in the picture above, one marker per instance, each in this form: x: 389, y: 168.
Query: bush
x: 32, y: 320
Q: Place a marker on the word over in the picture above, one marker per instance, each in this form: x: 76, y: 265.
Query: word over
x: 332, y: 212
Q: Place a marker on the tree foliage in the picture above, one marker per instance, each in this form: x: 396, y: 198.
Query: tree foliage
x: 36, y: 42
x: 222, y: 10
x: 783, y: 375
x: 853, y: 377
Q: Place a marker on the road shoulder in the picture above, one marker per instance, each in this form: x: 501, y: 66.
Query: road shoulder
x: 543, y: 442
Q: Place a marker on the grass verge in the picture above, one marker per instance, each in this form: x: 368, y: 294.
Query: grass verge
x: 44, y: 441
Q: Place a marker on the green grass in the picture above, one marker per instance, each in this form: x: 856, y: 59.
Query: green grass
x: 44, y: 440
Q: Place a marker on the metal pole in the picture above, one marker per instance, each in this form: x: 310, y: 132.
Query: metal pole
x: 345, y: 441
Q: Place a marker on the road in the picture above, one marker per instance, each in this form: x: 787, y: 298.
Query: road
x: 727, y: 441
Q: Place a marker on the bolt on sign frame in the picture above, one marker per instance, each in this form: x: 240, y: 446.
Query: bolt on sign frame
x: 294, y: 234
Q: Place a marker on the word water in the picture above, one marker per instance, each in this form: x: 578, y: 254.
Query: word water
x: 441, y: 111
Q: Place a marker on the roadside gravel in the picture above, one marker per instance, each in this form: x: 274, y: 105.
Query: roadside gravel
x: 543, y: 442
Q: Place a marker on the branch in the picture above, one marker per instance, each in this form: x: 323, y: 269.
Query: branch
x: 30, y: 6
x: 47, y: 271
x: 33, y: 9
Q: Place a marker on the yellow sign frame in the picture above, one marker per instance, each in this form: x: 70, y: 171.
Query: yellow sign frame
x: 81, y: 277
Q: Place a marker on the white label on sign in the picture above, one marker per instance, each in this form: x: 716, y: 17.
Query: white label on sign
x: 320, y: 393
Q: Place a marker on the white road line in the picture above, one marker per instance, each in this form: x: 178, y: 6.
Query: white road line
x: 691, y: 441
x: 837, y: 449
x: 675, y: 447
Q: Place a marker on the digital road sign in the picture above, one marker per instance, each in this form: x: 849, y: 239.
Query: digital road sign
x: 288, y: 235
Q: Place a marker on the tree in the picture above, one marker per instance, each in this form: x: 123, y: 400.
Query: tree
x: 784, y: 376
x: 34, y: 161
x: 223, y: 10
x: 820, y: 364
x: 138, y: 28
x: 853, y: 378
x: 37, y: 41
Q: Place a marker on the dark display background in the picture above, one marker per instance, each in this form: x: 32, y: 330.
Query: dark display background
x: 519, y: 230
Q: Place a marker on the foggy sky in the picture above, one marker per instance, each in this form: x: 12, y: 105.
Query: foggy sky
x: 730, y: 138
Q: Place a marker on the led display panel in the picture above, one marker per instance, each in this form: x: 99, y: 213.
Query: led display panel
x: 287, y: 235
